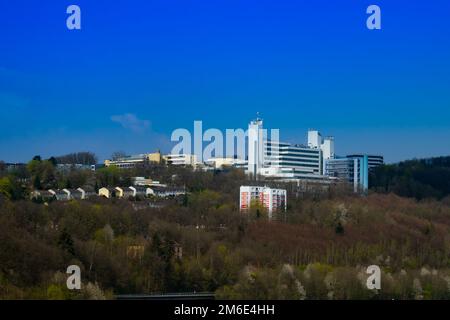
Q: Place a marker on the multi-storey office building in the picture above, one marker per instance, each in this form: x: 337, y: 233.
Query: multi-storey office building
x: 285, y: 160
x: 373, y: 160
x: 271, y: 199
x: 353, y: 170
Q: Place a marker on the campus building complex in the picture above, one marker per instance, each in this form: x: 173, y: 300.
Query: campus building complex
x: 315, y: 162
x: 269, y: 158
x: 285, y: 161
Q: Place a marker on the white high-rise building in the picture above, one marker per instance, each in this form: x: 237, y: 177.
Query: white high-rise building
x: 326, y: 146
x: 255, y: 147
x: 314, y: 139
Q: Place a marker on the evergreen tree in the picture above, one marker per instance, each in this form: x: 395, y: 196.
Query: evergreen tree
x: 65, y: 242
x: 53, y: 161
x: 37, y: 183
x: 339, y: 229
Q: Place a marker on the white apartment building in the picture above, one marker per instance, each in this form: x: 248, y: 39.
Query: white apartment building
x: 271, y: 199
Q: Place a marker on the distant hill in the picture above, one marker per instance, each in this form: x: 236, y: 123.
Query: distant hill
x: 418, y: 178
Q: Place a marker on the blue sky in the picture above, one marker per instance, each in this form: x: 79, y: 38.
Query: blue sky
x: 140, y: 69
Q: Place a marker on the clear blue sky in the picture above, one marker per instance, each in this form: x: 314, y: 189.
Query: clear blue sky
x: 140, y: 69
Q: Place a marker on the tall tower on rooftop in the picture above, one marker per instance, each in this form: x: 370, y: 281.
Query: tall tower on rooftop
x: 255, y: 146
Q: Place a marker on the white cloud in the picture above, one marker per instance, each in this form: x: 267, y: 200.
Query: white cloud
x: 131, y: 122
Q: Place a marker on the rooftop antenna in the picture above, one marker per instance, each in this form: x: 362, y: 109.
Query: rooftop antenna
x: 257, y: 116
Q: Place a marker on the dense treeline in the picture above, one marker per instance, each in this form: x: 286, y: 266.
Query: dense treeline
x: 86, y: 158
x: 425, y: 178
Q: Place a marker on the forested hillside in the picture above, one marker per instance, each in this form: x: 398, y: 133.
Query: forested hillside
x: 425, y: 178
x: 319, y: 249
x: 305, y: 256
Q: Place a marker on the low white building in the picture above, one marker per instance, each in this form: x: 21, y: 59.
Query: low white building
x: 221, y: 163
x: 141, y: 181
x: 168, y: 192
x: 133, y: 161
x: 181, y: 159
x: 271, y: 199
